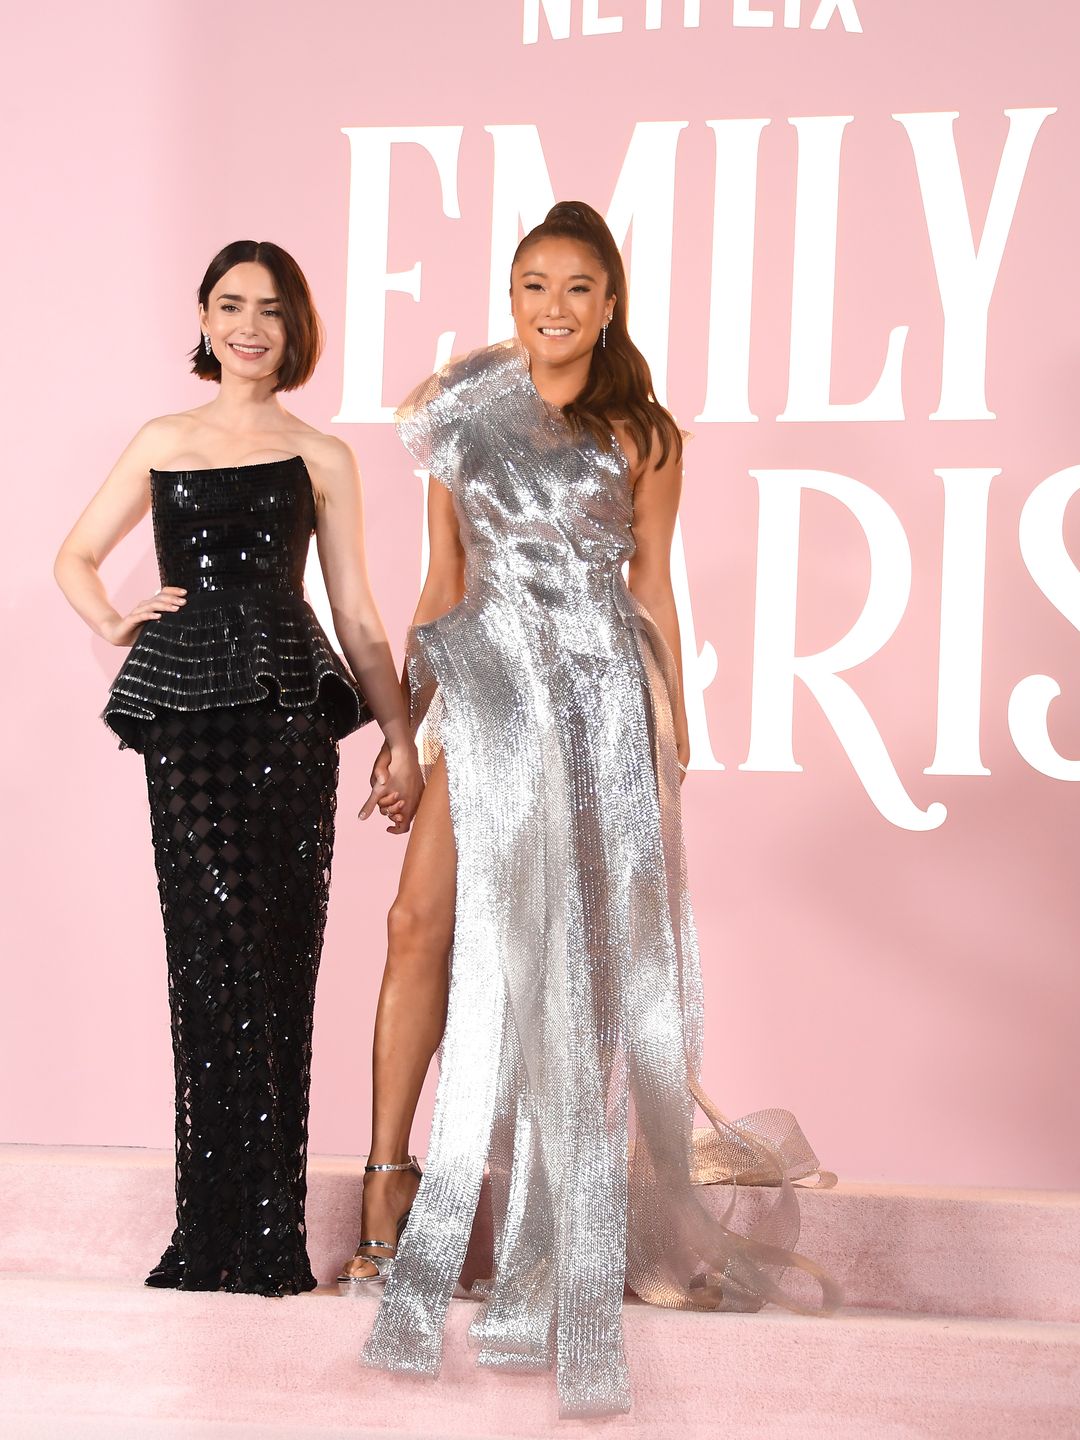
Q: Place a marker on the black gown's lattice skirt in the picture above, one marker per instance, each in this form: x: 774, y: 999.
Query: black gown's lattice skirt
x: 242, y: 811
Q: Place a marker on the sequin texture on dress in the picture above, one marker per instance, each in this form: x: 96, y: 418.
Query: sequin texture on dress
x: 236, y: 539
x: 573, y: 1041
x: 236, y: 703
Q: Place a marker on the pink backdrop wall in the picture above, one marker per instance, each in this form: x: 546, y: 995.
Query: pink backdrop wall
x: 916, y: 989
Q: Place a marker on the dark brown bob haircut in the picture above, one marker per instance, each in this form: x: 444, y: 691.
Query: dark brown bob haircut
x: 303, y: 328
x: 619, y: 384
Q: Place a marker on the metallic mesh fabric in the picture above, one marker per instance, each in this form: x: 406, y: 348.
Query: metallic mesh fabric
x: 242, y: 812
x: 573, y: 1041
x: 237, y: 540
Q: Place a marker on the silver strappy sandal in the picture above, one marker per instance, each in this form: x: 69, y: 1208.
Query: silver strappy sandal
x: 352, y: 1285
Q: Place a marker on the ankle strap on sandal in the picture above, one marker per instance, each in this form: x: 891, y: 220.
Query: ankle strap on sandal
x: 409, y: 1164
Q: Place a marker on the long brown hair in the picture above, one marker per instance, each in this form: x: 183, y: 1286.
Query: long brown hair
x: 620, y: 385
x: 303, y: 328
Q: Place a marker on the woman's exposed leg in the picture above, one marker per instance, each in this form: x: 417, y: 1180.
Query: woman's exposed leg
x: 412, y: 1007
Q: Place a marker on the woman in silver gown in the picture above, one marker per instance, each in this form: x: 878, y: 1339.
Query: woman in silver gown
x: 547, y: 854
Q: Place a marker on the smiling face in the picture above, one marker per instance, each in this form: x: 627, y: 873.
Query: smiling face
x: 560, y: 298
x: 244, y: 321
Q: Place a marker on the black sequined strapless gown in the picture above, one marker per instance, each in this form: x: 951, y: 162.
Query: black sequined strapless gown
x: 237, y: 703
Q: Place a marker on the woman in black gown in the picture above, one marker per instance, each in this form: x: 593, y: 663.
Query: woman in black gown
x: 236, y: 700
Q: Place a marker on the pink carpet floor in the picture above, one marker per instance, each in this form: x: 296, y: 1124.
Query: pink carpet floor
x: 963, y: 1323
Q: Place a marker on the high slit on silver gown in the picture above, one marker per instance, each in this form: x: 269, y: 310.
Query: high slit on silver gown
x: 573, y: 1040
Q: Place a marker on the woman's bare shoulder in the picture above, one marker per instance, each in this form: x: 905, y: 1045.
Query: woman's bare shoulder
x: 639, y: 461
x: 330, y: 461
x: 327, y: 452
x: 178, y: 424
x: 158, y: 439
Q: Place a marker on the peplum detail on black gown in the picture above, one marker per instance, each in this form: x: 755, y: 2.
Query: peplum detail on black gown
x: 236, y: 539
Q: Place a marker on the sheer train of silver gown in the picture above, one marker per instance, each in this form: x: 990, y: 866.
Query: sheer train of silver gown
x: 571, y: 1057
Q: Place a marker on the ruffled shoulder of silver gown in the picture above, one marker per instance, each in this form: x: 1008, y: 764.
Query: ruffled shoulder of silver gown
x: 437, y: 420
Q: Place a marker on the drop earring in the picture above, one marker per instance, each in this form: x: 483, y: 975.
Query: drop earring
x: 603, y: 336
x: 206, y: 342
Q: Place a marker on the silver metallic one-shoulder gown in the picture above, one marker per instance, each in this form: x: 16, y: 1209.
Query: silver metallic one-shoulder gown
x: 573, y: 1040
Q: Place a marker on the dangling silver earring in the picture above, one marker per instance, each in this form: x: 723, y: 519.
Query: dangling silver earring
x: 206, y: 342
x: 603, y: 336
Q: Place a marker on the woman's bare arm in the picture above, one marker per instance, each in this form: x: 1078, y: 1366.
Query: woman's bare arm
x: 444, y: 586
x: 339, y: 532
x: 444, y: 583
x: 114, y: 511
x: 657, y: 490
